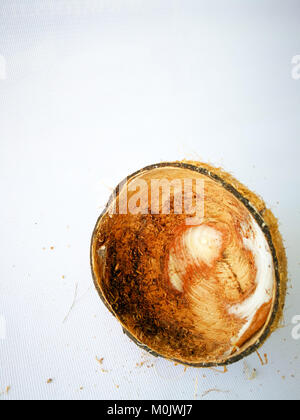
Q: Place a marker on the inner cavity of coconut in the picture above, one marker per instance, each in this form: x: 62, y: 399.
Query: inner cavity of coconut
x: 227, y: 275
x: 190, y: 293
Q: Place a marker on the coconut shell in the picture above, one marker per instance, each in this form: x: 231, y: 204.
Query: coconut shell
x: 264, y: 218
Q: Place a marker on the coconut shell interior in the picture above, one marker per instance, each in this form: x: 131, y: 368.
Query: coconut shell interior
x: 130, y: 255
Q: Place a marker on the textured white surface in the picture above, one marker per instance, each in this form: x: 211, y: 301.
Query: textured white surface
x: 92, y: 91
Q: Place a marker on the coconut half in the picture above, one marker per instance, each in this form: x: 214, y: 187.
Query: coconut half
x: 191, y: 263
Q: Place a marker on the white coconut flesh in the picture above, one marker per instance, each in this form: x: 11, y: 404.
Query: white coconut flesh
x: 198, y: 250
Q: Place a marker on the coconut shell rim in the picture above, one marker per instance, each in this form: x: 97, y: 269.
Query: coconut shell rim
x: 208, y: 171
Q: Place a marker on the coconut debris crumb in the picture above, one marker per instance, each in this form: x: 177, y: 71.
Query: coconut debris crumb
x: 140, y: 364
x: 49, y: 381
x: 250, y: 374
x: 7, y: 389
x: 147, y: 361
x: 214, y: 390
x: 73, y: 304
x: 263, y: 363
x: 219, y: 371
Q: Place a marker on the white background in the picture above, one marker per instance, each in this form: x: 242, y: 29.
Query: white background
x: 95, y: 90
